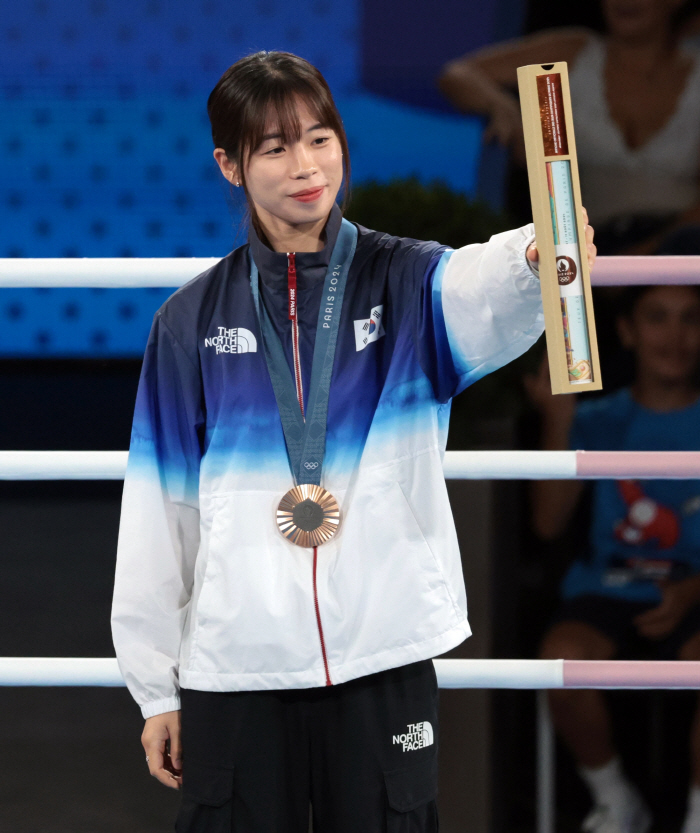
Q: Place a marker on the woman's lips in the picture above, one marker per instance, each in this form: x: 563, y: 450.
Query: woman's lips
x: 308, y: 196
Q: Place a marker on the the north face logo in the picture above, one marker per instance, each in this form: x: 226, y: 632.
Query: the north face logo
x: 369, y: 329
x: 236, y: 340
x: 417, y: 736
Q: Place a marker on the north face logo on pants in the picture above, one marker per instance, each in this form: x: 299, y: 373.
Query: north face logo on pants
x: 417, y: 736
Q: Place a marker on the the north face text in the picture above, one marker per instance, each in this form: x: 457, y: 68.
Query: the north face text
x: 417, y: 736
x: 234, y: 340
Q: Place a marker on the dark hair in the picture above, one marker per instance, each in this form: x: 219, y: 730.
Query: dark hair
x: 631, y: 295
x: 684, y: 13
x: 262, y: 85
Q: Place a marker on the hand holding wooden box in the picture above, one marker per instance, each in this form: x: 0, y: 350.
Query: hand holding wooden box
x: 555, y: 193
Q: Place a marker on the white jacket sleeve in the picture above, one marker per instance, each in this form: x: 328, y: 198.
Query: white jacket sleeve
x: 489, y: 298
x: 159, y: 526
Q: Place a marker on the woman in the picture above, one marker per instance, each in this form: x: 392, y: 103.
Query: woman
x: 326, y: 354
x: 636, y: 103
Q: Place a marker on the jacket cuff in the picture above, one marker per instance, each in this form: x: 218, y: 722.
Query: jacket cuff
x: 169, y: 704
x: 529, y: 230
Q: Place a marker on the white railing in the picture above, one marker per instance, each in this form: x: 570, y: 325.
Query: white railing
x: 175, y: 271
x: 451, y: 673
x: 457, y: 465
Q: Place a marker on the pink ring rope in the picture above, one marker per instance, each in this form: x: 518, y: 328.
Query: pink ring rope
x: 622, y: 465
x: 637, y: 271
x: 624, y: 673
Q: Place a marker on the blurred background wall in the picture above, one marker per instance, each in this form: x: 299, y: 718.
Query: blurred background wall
x: 105, y: 149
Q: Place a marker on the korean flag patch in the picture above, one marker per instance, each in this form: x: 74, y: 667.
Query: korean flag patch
x: 369, y: 329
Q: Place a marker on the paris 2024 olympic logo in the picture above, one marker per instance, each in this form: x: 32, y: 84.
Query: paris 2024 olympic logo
x: 566, y: 270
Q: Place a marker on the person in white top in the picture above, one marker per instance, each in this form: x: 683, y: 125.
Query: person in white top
x: 636, y: 106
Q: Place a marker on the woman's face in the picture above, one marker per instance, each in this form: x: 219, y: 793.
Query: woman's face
x: 295, y: 183
x: 664, y: 332
x: 631, y: 19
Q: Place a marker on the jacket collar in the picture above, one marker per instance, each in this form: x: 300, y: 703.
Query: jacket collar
x: 311, y: 266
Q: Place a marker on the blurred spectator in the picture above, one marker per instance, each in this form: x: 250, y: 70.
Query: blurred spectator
x: 638, y: 586
x: 636, y: 104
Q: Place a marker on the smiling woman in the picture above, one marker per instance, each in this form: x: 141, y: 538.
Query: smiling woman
x: 288, y: 563
x: 279, y: 165
x: 272, y: 117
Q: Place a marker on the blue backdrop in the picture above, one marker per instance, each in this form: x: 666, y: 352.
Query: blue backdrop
x: 105, y: 147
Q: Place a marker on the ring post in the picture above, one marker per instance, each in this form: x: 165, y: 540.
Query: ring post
x: 546, y: 797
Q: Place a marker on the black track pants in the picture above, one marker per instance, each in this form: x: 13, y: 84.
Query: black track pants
x: 363, y: 754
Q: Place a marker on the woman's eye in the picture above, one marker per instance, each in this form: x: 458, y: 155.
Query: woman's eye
x: 274, y: 151
x: 321, y: 140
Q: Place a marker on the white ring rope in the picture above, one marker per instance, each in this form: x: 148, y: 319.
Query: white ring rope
x: 101, y: 271
x: 63, y: 465
x: 458, y: 465
x: 175, y: 271
x: 451, y: 673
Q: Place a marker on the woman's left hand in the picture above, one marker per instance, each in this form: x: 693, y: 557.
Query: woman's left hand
x: 591, y: 251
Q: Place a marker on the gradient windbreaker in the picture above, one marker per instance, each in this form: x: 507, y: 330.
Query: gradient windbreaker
x: 208, y: 594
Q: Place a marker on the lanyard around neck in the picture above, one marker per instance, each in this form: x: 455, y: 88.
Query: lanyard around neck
x: 306, y: 438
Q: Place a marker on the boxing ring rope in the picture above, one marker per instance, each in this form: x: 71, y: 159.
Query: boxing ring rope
x: 540, y: 675
x: 175, y: 271
x: 537, y: 674
x: 457, y: 465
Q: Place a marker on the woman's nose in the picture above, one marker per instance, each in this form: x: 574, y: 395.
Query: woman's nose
x: 303, y: 161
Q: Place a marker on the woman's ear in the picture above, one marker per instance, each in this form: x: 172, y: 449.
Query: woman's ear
x: 228, y: 168
x: 625, y: 332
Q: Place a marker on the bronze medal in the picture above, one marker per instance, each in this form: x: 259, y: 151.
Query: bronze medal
x: 308, y: 515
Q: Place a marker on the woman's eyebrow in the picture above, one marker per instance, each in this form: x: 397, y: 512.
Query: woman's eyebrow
x: 268, y: 136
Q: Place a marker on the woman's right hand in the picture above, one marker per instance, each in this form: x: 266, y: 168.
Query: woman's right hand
x: 161, y: 741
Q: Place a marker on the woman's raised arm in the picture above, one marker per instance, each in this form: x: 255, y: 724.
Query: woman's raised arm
x: 482, y: 82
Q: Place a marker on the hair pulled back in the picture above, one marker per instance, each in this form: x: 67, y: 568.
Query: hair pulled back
x: 263, y: 88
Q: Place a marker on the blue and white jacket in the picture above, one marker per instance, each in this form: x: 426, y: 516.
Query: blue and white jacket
x: 208, y: 594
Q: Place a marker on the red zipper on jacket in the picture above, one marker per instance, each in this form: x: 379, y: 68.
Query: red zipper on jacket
x: 292, y: 296
x: 292, y: 300
x: 318, y: 622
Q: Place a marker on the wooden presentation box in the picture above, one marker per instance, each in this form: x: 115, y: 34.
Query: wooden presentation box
x: 549, y: 138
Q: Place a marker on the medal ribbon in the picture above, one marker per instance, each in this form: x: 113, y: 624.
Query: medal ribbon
x: 292, y: 299
x: 306, y: 438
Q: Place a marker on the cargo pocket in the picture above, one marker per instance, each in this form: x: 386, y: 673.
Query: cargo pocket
x: 207, y: 793
x: 411, y: 793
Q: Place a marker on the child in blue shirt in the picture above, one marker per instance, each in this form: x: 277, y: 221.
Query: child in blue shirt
x: 640, y: 579
x: 643, y: 532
